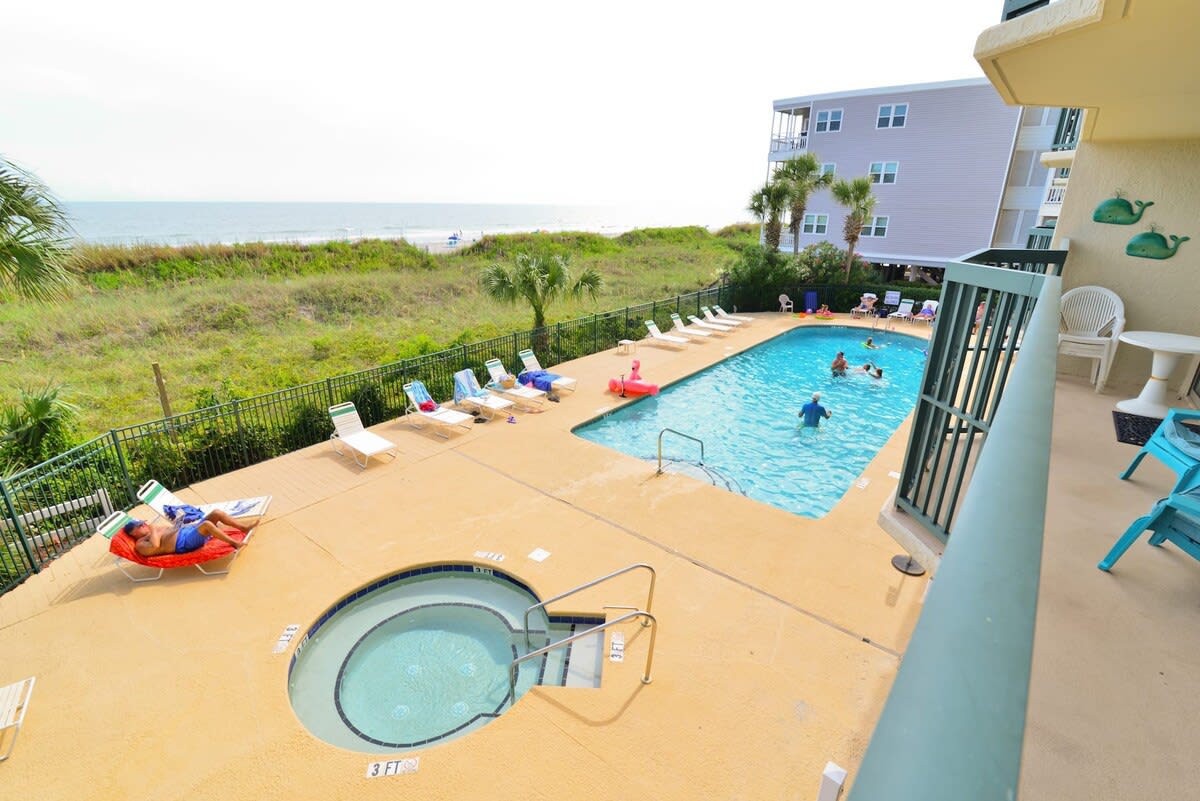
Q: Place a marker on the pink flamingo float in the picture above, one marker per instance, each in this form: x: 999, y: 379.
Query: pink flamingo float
x: 633, y: 385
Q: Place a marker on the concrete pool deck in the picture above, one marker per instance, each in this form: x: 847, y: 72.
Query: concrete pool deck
x: 779, y: 636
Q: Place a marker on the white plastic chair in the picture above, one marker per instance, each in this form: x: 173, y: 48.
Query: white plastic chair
x: 349, y: 431
x: 14, y: 702
x: 785, y: 303
x: 677, y: 321
x: 928, y: 312
x: 902, y: 313
x: 1091, y: 319
x: 667, y: 340
x: 530, y: 360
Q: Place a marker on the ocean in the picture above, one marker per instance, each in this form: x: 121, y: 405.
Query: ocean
x: 424, y: 224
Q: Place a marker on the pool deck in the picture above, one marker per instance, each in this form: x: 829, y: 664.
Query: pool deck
x: 779, y: 636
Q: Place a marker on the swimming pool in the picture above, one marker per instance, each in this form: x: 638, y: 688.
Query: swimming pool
x: 745, y: 410
x: 423, y: 656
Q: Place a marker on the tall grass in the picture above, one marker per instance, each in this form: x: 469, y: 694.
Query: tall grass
x: 247, y: 319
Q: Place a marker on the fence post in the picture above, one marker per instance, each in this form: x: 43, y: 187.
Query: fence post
x: 329, y: 391
x: 558, y: 343
x: 463, y: 366
x: 16, y: 519
x: 625, y: 331
x: 124, y: 467
x: 595, y: 333
x: 237, y: 416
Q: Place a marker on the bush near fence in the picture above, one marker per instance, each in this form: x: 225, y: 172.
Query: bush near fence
x: 204, y: 443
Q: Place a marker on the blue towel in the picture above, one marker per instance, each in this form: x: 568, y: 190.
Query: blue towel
x: 466, y: 386
x: 539, y: 378
x: 1183, y: 437
x: 183, y: 513
x: 419, y: 394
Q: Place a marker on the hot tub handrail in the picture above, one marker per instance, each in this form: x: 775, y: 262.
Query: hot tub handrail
x: 560, y: 596
x: 648, y: 620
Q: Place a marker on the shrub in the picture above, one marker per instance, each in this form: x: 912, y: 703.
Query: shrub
x: 825, y: 263
x: 368, y: 400
x: 757, y: 276
x: 307, y: 425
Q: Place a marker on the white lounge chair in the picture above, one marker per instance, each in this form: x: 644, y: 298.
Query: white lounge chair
x: 677, y: 321
x: 469, y: 395
x: 904, y: 312
x: 562, y: 383
x: 525, y: 397
x: 866, y: 305
x: 443, y: 420
x: 124, y: 550
x: 785, y: 303
x: 716, y: 328
x: 349, y: 431
x: 14, y: 701
x: 666, y: 340
x: 724, y: 315
x: 158, y: 498
x: 928, y: 312
x: 712, y: 318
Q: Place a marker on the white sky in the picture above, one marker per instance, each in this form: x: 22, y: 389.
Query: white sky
x: 647, y: 103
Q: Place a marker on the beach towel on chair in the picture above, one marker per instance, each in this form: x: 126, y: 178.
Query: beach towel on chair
x: 538, y: 379
x: 183, y: 513
x: 466, y: 386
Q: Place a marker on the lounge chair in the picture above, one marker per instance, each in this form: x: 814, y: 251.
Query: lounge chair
x: 469, y: 395
x: 122, y: 547
x: 1091, y: 319
x: 14, y: 701
x: 560, y: 383
x: 1174, y: 519
x: 1177, y: 445
x: 866, y: 305
x: 666, y: 340
x: 443, y: 420
x: 698, y: 333
x: 158, y: 498
x: 524, y: 397
x: 712, y: 318
x: 724, y: 315
x: 785, y: 303
x: 928, y: 312
x: 716, y: 328
x: 349, y: 431
x: 904, y: 312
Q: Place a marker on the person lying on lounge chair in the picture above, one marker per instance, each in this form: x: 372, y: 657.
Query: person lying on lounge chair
x: 166, y: 537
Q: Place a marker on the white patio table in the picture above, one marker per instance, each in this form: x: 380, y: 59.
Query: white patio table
x: 1167, y: 348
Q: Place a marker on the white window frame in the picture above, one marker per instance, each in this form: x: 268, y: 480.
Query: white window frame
x: 883, y: 172
x: 815, y: 224
x: 870, y: 228
x: 832, y: 168
x: 829, y: 121
x: 891, y: 115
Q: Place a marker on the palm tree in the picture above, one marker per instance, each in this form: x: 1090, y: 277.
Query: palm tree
x: 856, y: 196
x: 38, y: 427
x: 540, y: 281
x: 802, y: 176
x: 35, y: 237
x: 767, y: 205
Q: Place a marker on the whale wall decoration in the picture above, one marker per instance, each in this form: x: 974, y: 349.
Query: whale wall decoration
x: 1119, y: 211
x: 1153, y: 245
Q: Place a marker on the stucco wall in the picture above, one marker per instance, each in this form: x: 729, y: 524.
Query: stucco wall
x: 1159, y: 295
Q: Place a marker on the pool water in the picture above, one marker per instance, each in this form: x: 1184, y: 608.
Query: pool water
x: 745, y: 409
x: 417, y: 659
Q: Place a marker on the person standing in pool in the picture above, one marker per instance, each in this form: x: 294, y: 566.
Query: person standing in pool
x: 839, y: 366
x: 813, y: 411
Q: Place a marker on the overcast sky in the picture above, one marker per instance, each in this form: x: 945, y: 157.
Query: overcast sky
x: 522, y: 102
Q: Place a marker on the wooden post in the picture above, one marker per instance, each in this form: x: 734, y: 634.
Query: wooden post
x: 162, y: 391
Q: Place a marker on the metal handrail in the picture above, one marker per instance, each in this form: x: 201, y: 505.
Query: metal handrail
x: 560, y: 596
x: 649, y: 619
x: 685, y: 436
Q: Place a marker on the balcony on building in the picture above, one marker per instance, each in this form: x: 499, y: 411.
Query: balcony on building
x: 789, y: 132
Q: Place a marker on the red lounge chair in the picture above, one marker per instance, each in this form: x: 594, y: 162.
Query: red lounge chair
x: 121, y: 546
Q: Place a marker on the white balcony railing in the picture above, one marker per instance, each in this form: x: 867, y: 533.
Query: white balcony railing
x: 1054, y: 197
x: 788, y: 143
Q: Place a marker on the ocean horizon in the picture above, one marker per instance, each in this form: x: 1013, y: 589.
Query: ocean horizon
x: 178, y: 223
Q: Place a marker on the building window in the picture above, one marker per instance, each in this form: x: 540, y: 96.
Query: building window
x: 828, y: 168
x: 816, y: 223
x: 884, y: 172
x: 876, y: 227
x: 892, y: 116
x: 829, y: 121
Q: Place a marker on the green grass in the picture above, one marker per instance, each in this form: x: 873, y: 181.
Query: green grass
x: 242, y: 320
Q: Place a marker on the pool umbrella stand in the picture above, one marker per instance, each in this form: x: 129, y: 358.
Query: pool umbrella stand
x: 907, y: 565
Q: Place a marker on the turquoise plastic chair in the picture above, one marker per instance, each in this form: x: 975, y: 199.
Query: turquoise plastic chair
x: 1177, y: 446
x: 1175, y: 519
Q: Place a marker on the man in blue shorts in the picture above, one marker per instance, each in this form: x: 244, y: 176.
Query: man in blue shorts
x: 813, y: 412
x: 163, y: 538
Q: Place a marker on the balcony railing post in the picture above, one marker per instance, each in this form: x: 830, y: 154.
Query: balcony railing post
x: 121, y: 461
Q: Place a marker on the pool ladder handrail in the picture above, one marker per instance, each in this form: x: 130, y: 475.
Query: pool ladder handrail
x: 685, y: 436
x: 614, y: 574
x: 647, y: 620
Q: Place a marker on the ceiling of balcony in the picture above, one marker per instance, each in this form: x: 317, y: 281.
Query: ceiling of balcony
x: 1135, y: 64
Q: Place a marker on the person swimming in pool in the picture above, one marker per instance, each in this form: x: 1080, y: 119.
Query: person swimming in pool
x: 813, y: 412
x: 870, y: 343
x: 871, y: 370
x: 165, y: 537
x: 839, y: 366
